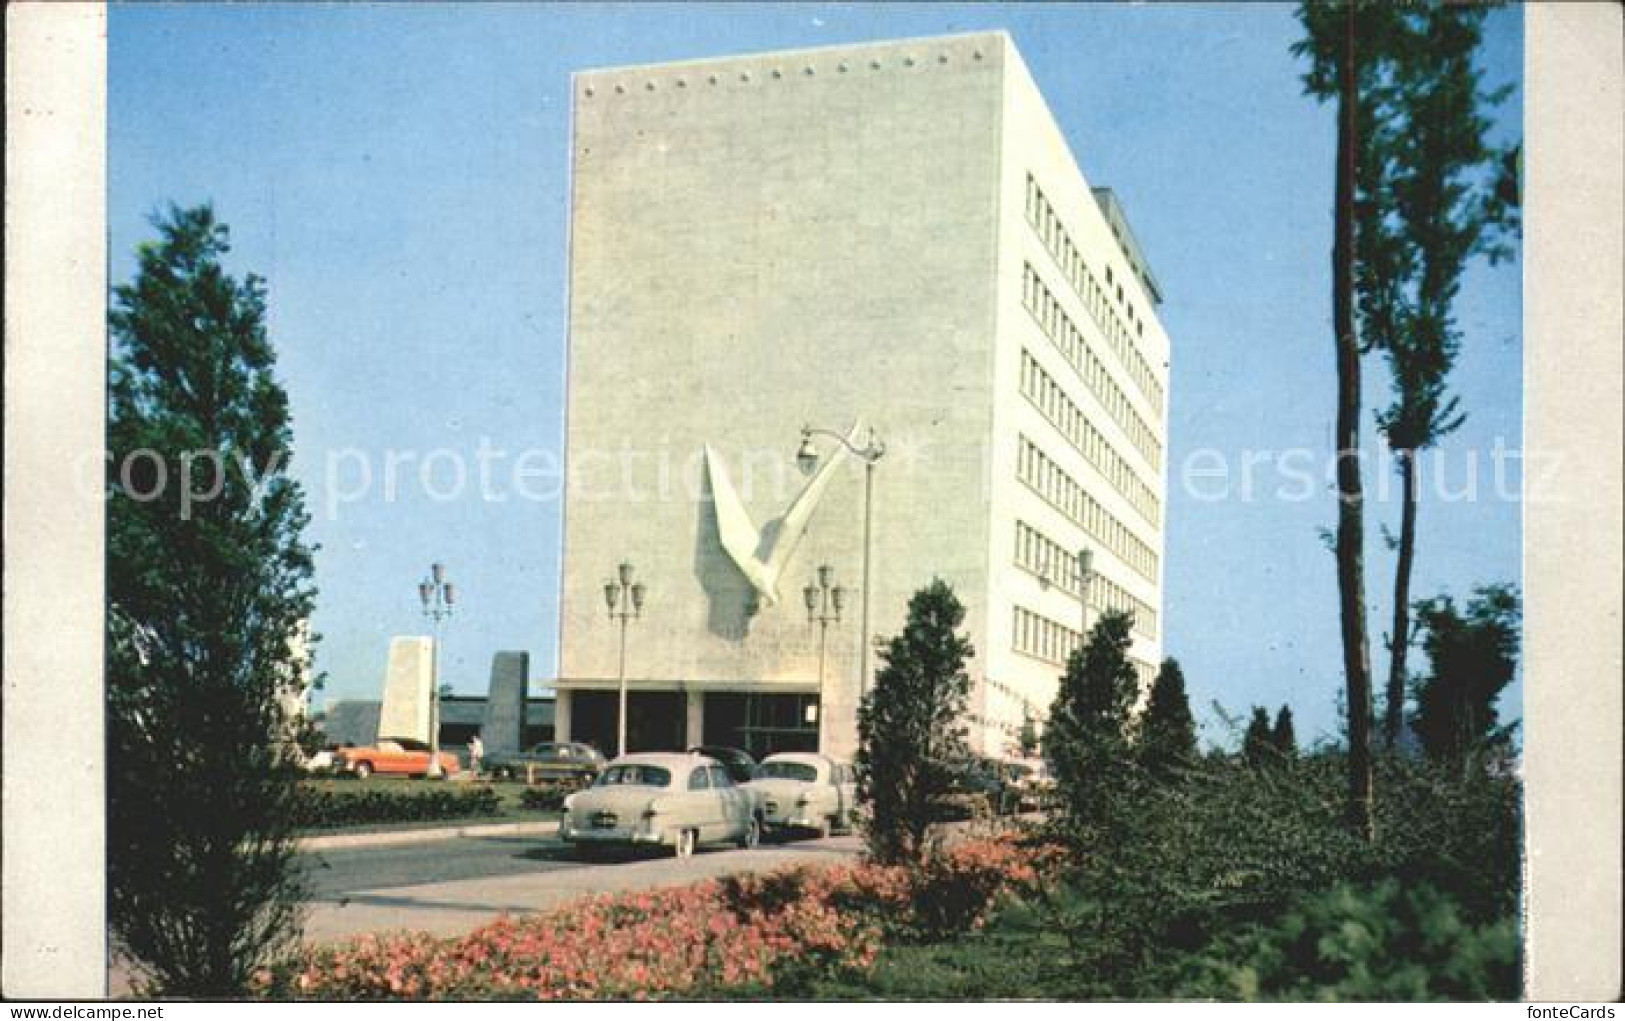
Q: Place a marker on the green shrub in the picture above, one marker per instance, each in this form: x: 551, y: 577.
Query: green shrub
x: 547, y: 798
x: 1229, y: 847
x: 1382, y: 942
x: 329, y: 805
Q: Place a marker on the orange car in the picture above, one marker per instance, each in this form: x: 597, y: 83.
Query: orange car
x: 398, y: 755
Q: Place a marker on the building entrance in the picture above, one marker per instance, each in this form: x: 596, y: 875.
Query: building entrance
x: 762, y: 724
x: 655, y: 720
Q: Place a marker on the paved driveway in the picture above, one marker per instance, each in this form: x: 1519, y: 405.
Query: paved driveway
x: 449, y: 887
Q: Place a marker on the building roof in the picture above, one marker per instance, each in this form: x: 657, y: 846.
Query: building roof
x: 1117, y: 219
x: 990, y: 38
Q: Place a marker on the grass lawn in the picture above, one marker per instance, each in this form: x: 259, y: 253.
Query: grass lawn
x: 1017, y: 956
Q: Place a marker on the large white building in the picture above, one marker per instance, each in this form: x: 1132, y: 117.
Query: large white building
x: 895, y: 235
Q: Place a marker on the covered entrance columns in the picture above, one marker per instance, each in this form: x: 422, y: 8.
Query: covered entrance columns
x: 761, y: 724
x: 695, y: 718
x: 675, y: 719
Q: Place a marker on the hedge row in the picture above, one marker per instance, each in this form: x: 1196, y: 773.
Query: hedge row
x: 547, y: 798
x: 333, y: 805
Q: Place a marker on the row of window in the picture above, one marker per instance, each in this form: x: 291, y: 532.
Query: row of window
x: 1044, y: 221
x: 1048, y: 397
x: 1053, y: 483
x: 1041, y: 638
x: 1037, y: 636
x: 1008, y: 692
x: 1058, y: 565
x: 1058, y: 326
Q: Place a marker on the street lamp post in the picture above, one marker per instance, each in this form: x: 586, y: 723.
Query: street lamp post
x: 872, y: 451
x: 625, y: 601
x: 438, y: 597
x: 824, y: 603
x: 1086, y: 560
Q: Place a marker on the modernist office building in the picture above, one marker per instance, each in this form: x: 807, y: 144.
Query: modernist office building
x: 895, y: 235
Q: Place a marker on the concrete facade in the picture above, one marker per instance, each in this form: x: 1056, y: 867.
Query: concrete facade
x: 500, y: 731
x: 896, y: 235
x: 355, y: 721
x: 408, y: 686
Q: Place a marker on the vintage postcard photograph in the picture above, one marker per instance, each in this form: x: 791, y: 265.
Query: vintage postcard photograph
x: 815, y: 502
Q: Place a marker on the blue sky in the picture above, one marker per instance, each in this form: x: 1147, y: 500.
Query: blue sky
x: 398, y: 174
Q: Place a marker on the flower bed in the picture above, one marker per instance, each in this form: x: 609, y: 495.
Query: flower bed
x: 352, y: 804
x: 770, y: 932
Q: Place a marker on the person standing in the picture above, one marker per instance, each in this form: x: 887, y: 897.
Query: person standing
x: 476, y: 752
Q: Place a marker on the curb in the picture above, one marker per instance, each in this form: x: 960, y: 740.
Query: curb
x: 389, y: 838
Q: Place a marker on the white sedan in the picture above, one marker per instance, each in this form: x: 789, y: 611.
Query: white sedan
x: 667, y: 800
x: 800, y: 790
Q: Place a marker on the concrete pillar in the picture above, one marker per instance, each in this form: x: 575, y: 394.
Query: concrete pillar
x: 696, y: 718
x: 561, y: 714
x: 838, y: 729
x: 408, y: 687
x: 503, y: 726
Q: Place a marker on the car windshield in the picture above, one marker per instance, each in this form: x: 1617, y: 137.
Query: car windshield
x: 789, y: 771
x: 634, y: 775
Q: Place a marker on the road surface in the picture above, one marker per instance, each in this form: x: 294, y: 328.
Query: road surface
x: 449, y: 887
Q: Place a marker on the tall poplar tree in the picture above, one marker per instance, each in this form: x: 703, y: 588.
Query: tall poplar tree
x: 1349, y: 45
x: 1440, y: 202
x: 209, y: 592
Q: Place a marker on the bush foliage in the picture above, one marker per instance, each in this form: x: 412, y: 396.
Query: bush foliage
x: 1386, y: 941
x: 338, y: 804
x: 545, y: 798
x: 1232, y: 846
x: 779, y: 933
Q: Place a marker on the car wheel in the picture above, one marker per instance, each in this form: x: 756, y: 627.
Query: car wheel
x: 363, y: 770
x: 753, y: 834
x: 685, y: 844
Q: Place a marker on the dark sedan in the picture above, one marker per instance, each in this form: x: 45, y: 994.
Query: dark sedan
x: 738, y: 762
x: 552, y: 760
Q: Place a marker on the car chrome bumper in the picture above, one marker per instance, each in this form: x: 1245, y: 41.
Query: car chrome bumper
x: 796, y: 819
x: 610, y: 835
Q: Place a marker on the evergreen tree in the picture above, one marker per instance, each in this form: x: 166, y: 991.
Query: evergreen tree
x: 1284, y: 737
x: 1258, y: 747
x: 910, y: 730
x: 1168, y: 731
x: 1474, y: 656
x: 1087, y: 738
x: 209, y: 589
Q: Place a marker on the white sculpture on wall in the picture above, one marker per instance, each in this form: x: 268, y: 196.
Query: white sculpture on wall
x: 744, y: 543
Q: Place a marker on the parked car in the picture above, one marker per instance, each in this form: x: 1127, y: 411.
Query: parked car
x: 738, y: 762
x: 660, y: 799
x: 980, y: 787
x: 568, y: 761
x: 395, y: 755
x: 321, y: 762
x: 804, y: 791
x: 1032, y: 782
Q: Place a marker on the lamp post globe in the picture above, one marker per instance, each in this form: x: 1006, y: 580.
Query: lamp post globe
x: 438, y: 596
